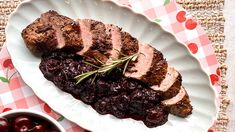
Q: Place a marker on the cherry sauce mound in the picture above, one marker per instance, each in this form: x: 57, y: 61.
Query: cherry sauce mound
x: 107, y: 93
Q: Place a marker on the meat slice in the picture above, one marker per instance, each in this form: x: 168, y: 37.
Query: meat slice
x: 45, y: 33
x: 180, y: 104
x: 86, y: 35
x: 72, y: 37
x: 150, y: 67
x: 143, y: 63
x: 116, y: 40
x: 130, y: 45
x: 101, y: 43
x: 170, y: 85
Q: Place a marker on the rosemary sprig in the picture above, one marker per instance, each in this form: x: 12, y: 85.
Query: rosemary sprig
x: 107, y: 68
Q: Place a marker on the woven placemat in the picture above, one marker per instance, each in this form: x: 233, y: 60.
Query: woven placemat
x: 209, y: 13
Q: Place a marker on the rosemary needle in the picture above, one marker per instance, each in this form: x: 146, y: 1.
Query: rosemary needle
x: 88, y: 63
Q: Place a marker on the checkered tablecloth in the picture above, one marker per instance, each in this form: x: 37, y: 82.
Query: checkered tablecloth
x: 14, y: 93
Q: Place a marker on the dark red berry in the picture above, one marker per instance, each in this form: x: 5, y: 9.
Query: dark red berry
x: 4, y: 125
x: 22, y: 124
x: 155, y: 117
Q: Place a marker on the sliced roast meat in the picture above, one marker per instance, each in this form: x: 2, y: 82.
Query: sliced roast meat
x: 150, y: 67
x: 174, y: 89
x: 157, y: 71
x: 143, y: 64
x: 101, y: 42
x: 170, y: 85
x: 72, y: 37
x: 116, y: 40
x: 180, y: 104
x: 130, y: 45
x: 85, y: 26
x: 45, y: 33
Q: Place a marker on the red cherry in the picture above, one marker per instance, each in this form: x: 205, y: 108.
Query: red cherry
x: 22, y: 124
x: 6, y: 109
x: 190, y: 24
x: 180, y: 17
x: 4, y: 125
x: 47, y: 108
x: 8, y: 64
x: 214, y: 78
x: 218, y: 71
x: 193, y: 47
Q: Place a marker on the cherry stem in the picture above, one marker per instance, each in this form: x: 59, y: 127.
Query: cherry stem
x: 12, y: 76
x: 36, y: 124
x: 32, y: 129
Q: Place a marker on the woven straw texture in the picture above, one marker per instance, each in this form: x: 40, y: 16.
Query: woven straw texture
x: 209, y: 13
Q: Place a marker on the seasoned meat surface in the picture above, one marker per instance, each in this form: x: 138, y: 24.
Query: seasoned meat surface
x: 101, y: 44
x: 179, y: 105
x: 151, y: 67
x: 129, y: 44
x: 52, y: 31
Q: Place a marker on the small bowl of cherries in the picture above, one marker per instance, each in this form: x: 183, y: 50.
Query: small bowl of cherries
x: 25, y: 120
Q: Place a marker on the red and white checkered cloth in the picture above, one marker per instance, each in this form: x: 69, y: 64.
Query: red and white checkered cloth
x: 14, y: 93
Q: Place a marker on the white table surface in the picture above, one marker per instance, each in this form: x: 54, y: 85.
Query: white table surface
x: 229, y: 13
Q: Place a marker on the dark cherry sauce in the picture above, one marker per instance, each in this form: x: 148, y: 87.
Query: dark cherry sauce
x: 108, y: 93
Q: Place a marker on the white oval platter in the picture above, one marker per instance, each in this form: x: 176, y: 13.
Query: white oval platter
x: 195, y: 80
